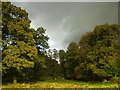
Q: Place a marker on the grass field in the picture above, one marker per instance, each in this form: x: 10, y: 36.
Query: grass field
x: 61, y: 84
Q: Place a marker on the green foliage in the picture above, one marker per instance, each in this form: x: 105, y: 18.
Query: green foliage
x: 62, y: 56
x: 41, y: 43
x: 52, y: 67
x: 95, y: 57
x: 62, y: 61
x: 19, y: 43
x: 115, y: 79
x: 40, y: 38
x: 16, y: 25
x: 71, y: 60
x: 100, y: 53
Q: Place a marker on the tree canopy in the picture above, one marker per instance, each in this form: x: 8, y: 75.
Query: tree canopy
x: 101, y: 55
x: 95, y: 56
x: 20, y: 42
x: 25, y: 51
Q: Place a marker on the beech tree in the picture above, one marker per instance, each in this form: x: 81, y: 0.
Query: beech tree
x: 19, y: 50
x: 101, y: 53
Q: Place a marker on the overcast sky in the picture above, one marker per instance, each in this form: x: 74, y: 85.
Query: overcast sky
x: 65, y: 22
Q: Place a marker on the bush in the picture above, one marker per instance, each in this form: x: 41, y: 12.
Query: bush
x: 115, y: 79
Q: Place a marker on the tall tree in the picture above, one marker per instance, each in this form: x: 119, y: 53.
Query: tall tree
x: 61, y: 56
x: 19, y: 51
x: 41, y: 40
x: 41, y: 43
x: 71, y: 60
x: 100, y: 51
x: 62, y: 61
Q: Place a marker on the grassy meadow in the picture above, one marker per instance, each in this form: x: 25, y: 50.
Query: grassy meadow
x: 61, y: 84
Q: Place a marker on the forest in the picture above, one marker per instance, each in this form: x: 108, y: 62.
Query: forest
x: 27, y: 57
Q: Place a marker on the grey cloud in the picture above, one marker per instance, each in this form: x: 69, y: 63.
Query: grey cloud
x: 65, y: 22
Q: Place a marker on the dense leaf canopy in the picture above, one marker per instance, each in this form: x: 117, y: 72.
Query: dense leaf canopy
x: 20, y: 42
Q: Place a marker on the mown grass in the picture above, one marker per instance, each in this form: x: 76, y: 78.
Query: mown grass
x: 62, y: 84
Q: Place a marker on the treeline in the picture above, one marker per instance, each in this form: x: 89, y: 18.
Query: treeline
x: 25, y: 54
x: 95, y: 57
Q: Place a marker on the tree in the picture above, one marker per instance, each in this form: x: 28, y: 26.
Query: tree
x: 52, y: 67
x: 100, y: 51
x: 49, y: 53
x: 71, y: 60
x: 19, y: 50
x: 41, y: 40
x: 86, y: 45
x: 62, y: 61
x: 41, y: 43
x: 55, y: 54
x: 61, y: 56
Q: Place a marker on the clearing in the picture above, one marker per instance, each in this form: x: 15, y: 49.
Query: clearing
x: 61, y: 84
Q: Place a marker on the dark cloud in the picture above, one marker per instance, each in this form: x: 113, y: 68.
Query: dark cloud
x: 65, y: 22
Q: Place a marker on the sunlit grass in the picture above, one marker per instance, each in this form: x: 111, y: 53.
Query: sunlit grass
x: 61, y: 84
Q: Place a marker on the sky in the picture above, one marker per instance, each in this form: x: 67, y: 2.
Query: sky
x: 66, y: 22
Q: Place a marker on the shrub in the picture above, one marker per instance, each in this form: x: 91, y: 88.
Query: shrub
x: 115, y: 79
